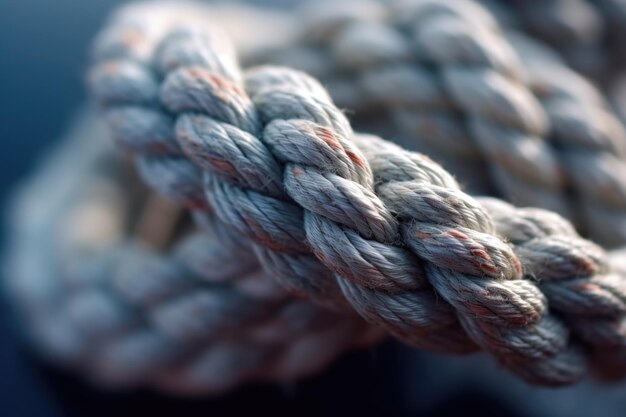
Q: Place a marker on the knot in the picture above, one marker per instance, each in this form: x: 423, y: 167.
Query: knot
x: 353, y: 221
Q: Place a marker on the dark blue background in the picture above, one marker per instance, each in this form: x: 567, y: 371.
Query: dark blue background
x: 43, y: 49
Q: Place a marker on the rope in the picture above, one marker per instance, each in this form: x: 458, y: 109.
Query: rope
x: 274, y: 176
x: 544, y: 134
x: 199, y: 319
x: 280, y: 167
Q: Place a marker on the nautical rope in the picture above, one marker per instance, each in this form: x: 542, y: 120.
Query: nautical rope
x: 410, y: 251
x: 199, y: 319
x: 463, y: 92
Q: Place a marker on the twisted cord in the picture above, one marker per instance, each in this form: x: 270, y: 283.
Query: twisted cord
x: 301, y: 124
x: 584, y: 289
x: 500, y: 311
x: 387, y: 246
x: 198, y: 320
x: 290, y: 103
x: 473, y: 103
x: 159, y: 156
x: 328, y: 177
x: 583, y: 130
x: 126, y: 84
x: 467, y: 99
x: 569, y: 271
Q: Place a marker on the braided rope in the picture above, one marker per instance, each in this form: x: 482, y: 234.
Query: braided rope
x: 342, y: 219
x: 199, y: 320
x: 471, y: 102
x: 390, y: 245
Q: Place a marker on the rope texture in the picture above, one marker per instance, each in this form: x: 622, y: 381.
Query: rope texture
x: 200, y: 319
x: 527, y: 129
x: 585, y: 32
x: 401, y: 243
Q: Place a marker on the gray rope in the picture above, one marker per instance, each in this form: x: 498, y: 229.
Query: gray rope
x: 201, y: 319
x: 537, y: 127
x: 390, y: 245
x: 156, y: 143
x: 581, y: 290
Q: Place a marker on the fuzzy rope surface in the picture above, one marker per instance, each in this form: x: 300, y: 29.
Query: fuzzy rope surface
x: 199, y: 319
x: 410, y: 251
x: 497, y: 110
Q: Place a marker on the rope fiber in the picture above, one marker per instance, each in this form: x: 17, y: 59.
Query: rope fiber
x: 309, y: 239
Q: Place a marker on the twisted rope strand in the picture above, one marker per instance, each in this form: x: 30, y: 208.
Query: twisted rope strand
x: 359, y: 219
x: 582, y: 288
x: 159, y: 155
x: 475, y: 72
x: 126, y: 84
x: 198, y: 320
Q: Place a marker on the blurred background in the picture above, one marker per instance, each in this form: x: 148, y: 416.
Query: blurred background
x: 43, y: 49
x: 44, y: 53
